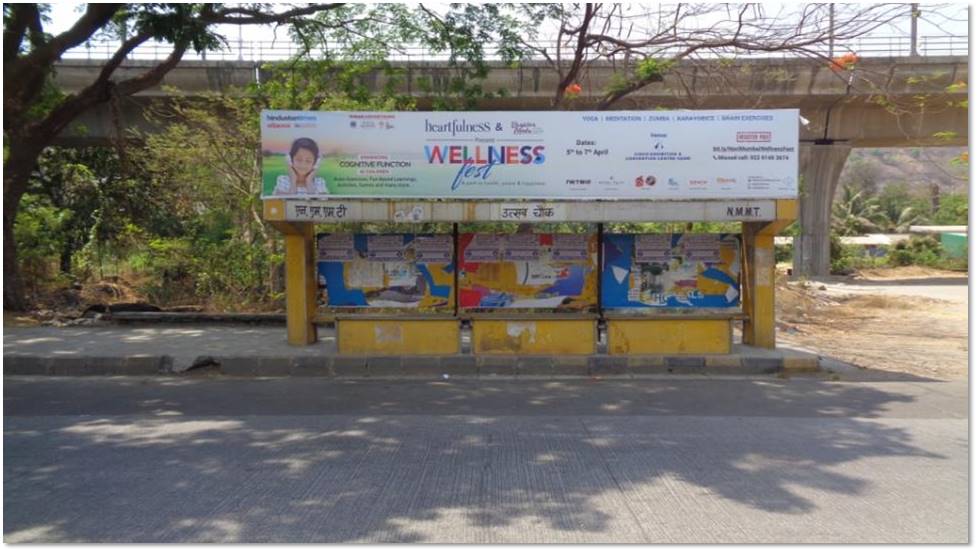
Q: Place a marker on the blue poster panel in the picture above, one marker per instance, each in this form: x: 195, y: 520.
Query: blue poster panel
x: 678, y: 270
x: 386, y: 271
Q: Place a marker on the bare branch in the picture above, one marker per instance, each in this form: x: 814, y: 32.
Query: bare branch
x: 102, y: 90
x: 13, y: 34
x: 24, y: 76
x: 94, y: 18
x: 254, y: 16
x: 579, y: 53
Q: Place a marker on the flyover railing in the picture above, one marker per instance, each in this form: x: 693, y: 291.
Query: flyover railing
x: 280, y: 50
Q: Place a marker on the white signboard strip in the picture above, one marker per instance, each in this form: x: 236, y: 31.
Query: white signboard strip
x: 576, y: 211
x: 529, y: 212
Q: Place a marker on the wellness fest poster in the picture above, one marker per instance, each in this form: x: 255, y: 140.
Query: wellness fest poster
x: 531, y: 154
x: 388, y: 271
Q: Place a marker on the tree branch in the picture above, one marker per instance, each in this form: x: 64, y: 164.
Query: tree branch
x: 13, y: 34
x: 94, y: 18
x: 103, y: 89
x: 24, y: 78
x: 120, y: 55
x: 579, y: 52
x: 251, y: 16
x: 153, y: 76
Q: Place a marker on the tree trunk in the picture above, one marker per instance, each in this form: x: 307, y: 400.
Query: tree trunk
x: 22, y: 158
x: 67, y: 251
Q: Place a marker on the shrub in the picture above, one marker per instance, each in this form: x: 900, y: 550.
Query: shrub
x: 953, y: 210
x: 901, y: 255
x: 39, y: 239
x: 841, y: 258
x: 923, y: 251
x: 783, y: 253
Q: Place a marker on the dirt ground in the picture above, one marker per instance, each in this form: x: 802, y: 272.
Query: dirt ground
x: 881, y: 319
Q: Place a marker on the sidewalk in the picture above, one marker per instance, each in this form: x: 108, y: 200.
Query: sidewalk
x: 263, y: 351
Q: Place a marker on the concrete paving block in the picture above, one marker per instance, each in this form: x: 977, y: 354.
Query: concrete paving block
x: 111, y: 366
x: 423, y: 366
x: 71, y: 366
x: 723, y: 362
x: 462, y: 365
x: 685, y: 361
x: 646, y: 365
x: 801, y: 364
x: 350, y: 366
x: 239, y: 366
x: 534, y: 366
x: 304, y: 366
x: 761, y: 365
x: 607, y: 365
x: 496, y: 366
x: 385, y: 366
x: 166, y: 365
x: 645, y: 361
x: 26, y: 365
x: 570, y: 365
x: 143, y: 365
x: 274, y: 366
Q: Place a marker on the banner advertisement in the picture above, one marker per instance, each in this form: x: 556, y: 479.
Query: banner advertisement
x: 539, y: 155
x: 671, y: 271
x: 391, y: 271
x: 528, y: 271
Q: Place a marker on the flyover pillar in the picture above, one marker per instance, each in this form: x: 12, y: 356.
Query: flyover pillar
x: 820, y: 166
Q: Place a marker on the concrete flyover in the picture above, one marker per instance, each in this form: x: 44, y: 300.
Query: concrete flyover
x: 885, y: 102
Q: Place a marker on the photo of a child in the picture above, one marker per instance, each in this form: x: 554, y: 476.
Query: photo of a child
x: 302, y: 161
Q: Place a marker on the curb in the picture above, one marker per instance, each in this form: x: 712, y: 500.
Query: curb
x: 412, y: 366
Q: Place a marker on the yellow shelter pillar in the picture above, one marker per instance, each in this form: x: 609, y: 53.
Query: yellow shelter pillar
x: 300, y: 274
x: 758, y: 298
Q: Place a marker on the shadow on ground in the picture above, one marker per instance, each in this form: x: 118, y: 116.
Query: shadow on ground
x: 301, y: 461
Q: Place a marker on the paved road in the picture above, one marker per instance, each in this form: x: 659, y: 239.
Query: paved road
x: 315, y: 460
x: 952, y: 289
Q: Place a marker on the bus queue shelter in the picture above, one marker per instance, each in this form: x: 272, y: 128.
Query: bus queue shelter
x: 761, y: 221
x: 653, y: 294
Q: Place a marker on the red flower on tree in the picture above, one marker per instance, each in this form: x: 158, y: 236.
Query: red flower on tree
x: 845, y: 62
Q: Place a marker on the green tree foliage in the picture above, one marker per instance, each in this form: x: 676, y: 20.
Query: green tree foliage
x: 183, y: 209
x: 35, y: 113
x: 861, y: 175
x: 39, y: 232
x: 953, y: 210
x: 920, y: 250
x: 209, y: 150
x: 895, y: 197
x: 855, y: 213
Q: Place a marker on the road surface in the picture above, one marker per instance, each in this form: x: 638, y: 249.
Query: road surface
x: 953, y: 289
x: 129, y: 459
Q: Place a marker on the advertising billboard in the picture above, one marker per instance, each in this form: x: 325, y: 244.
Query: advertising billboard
x: 677, y: 270
x: 569, y: 155
x: 386, y: 271
x: 532, y: 271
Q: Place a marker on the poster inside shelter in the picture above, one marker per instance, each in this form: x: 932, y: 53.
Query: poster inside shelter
x: 407, y: 271
x: 528, y: 270
x: 678, y: 270
x: 732, y: 154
